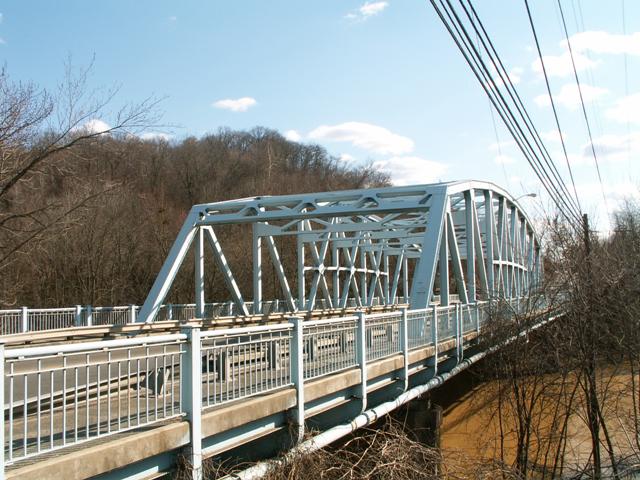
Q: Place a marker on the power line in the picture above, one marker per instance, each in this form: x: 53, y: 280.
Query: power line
x: 465, y: 44
x: 553, y: 105
x: 515, y: 97
x: 584, y: 110
x: 463, y: 41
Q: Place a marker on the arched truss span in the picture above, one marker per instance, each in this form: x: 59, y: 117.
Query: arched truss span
x: 412, y: 244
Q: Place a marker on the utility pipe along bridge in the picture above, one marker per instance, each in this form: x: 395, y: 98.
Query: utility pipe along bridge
x: 436, y: 261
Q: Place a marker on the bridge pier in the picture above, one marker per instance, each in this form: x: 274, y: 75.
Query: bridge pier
x: 423, y: 420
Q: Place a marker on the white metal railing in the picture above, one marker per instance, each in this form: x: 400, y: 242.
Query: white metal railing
x: 382, y: 332
x: 63, y: 395
x: 58, y: 396
x: 329, y: 346
x: 24, y: 319
x: 242, y: 362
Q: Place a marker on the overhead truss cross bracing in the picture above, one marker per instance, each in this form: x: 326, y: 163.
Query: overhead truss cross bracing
x: 412, y: 244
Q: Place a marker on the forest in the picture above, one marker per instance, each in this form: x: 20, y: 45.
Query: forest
x: 87, y: 215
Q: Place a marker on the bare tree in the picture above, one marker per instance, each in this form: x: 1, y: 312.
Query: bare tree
x: 42, y: 135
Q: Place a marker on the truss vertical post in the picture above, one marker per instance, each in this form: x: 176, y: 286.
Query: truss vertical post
x: 469, y: 199
x: 301, y: 268
x: 512, y: 251
x: 257, y: 270
x: 405, y: 278
x: 335, y: 256
x: 489, y: 226
x: 199, y: 273
x: 444, y: 268
x: 363, y: 275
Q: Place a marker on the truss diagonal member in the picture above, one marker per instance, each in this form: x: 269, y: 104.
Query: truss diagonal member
x: 279, y: 268
x: 351, y: 283
x: 170, y: 267
x: 480, y: 254
x: 425, y: 271
x: 375, y: 283
x: 456, y: 261
x: 396, y: 275
x: 318, y: 277
x: 227, y: 275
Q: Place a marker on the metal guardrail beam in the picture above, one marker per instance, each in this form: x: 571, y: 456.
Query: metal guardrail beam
x: 59, y: 396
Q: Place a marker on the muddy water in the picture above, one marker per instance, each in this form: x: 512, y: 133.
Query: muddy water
x: 472, y: 428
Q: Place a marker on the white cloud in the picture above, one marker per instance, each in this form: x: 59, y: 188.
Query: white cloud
x: 367, y: 10
x: 173, y: 18
x: 238, y: 105
x: 95, y: 125
x: 626, y: 109
x: 504, y: 160
x: 614, y: 148
x: 2, y: 42
x: 560, y: 65
x: 345, y: 157
x: 569, y: 96
x: 369, y: 137
x: 292, y: 135
x: 412, y: 170
x: 155, y: 136
x: 605, y: 42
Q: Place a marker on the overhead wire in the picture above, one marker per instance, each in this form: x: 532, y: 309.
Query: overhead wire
x: 460, y: 35
x: 513, y: 93
x: 489, y: 85
x: 553, y: 105
x: 511, y: 90
x: 584, y: 110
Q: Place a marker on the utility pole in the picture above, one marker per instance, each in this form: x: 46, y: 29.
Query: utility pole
x: 594, y: 421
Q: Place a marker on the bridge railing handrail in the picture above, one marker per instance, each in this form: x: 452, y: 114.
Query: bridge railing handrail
x: 103, y: 345
x: 107, y: 377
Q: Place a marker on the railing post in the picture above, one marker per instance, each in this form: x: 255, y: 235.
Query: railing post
x: 2, y: 403
x: 361, y: 352
x: 132, y: 313
x: 191, y: 379
x: 457, y: 327
x: 297, y: 374
x: 404, y: 345
x: 434, y: 333
x: 78, y: 316
x: 169, y: 311
x: 25, y: 319
x: 89, y: 315
x: 477, y: 320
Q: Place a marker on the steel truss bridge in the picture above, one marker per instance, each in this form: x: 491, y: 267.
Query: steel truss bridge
x: 387, y: 297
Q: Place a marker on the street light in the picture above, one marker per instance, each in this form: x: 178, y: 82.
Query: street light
x: 532, y: 195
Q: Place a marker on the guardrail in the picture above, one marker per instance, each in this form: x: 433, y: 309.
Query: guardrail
x: 25, y: 319
x: 58, y: 396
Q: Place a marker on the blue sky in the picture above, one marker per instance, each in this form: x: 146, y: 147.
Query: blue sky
x: 376, y: 81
